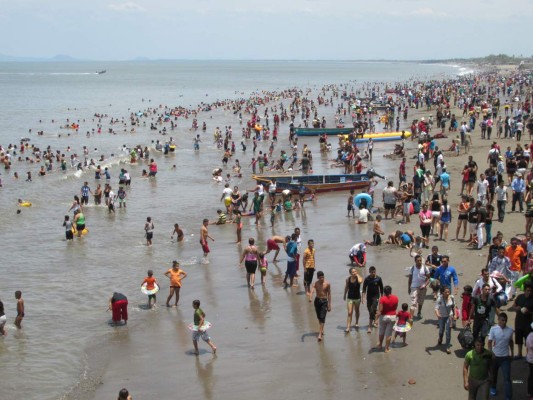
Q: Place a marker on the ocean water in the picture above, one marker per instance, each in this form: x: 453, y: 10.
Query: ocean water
x: 66, y: 286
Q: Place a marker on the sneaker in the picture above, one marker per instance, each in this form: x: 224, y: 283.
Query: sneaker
x: 492, y: 392
x: 419, y: 316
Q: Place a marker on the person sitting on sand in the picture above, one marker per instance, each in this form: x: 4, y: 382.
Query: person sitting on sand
x: 357, y: 255
x: 363, y: 215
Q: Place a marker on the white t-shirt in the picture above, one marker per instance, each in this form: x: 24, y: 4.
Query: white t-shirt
x: 482, y: 186
x: 419, y: 276
x: 227, y: 193
x: 363, y: 215
x: 501, y: 193
x: 500, y: 340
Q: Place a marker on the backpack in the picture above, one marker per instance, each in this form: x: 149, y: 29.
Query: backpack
x: 466, y: 338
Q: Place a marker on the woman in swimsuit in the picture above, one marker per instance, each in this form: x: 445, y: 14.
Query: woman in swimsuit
x: 463, y: 216
x: 352, y: 296
x: 249, y: 256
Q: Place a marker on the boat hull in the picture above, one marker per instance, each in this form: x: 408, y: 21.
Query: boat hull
x: 380, y: 137
x: 315, y: 183
x: 320, y: 131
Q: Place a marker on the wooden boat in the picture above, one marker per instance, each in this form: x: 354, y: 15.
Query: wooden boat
x: 320, y: 131
x: 379, y: 136
x: 315, y: 183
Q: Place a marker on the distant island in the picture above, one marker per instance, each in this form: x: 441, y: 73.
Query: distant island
x: 493, y: 59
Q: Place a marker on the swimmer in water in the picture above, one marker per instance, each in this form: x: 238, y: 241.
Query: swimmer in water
x: 178, y: 231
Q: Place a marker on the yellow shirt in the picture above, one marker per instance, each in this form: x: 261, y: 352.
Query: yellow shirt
x: 309, y: 258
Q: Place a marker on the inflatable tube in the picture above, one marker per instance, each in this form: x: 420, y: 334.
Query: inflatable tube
x: 258, y: 127
x: 402, y: 329
x: 149, y: 292
x: 75, y: 231
x: 25, y: 204
x: 520, y: 283
x: 361, y: 196
x: 205, y: 326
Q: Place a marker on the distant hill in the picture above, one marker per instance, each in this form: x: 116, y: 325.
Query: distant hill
x: 57, y: 58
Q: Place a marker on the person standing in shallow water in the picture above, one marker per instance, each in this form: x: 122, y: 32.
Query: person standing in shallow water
x: 176, y: 275
x: 149, y: 230
x: 204, y: 235
x: 322, y: 301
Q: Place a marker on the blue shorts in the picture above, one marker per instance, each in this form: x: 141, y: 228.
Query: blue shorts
x: 291, y: 268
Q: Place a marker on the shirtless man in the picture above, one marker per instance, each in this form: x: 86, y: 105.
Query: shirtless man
x: 272, y: 244
x: 204, y: 235
x: 322, y: 301
x: 178, y: 231
x: 20, y: 309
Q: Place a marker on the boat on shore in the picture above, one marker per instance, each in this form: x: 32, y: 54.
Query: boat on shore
x: 314, y: 183
x: 379, y: 136
x: 321, y: 131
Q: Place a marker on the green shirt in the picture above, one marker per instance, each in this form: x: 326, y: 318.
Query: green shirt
x: 478, y: 363
x: 198, y: 316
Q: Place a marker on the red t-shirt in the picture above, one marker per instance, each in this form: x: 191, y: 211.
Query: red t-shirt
x: 403, y: 317
x: 390, y: 304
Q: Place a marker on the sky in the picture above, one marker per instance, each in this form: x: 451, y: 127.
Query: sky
x: 273, y: 29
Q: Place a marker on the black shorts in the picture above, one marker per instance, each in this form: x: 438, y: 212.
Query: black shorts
x: 251, y: 266
x: 149, y: 235
x: 69, y: 235
x: 80, y: 227
x: 350, y: 207
x: 463, y: 217
x: 84, y: 200
x: 377, y: 239
x: 520, y: 335
x: 389, y: 206
x: 152, y: 173
x: 321, y: 309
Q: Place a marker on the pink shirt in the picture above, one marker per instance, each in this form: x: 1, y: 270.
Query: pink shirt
x: 425, y: 215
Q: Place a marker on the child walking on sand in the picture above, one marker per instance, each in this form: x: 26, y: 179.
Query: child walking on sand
x: 263, y: 265
x: 199, y: 329
x: 378, y: 231
x: 350, y: 204
x: 150, y: 283
x: 403, y: 323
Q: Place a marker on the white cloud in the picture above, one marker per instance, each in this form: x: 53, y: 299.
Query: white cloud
x: 125, y: 7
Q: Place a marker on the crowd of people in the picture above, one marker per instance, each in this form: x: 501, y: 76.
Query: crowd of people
x: 424, y: 190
